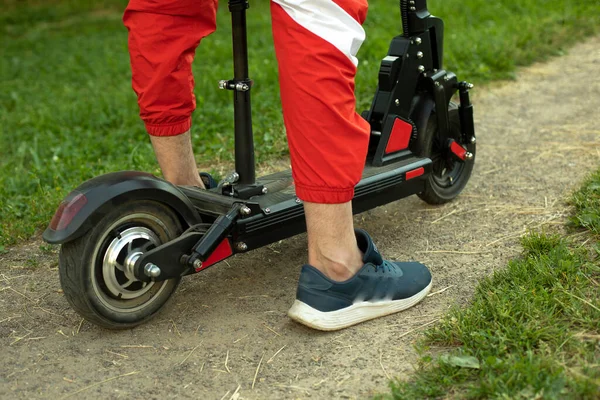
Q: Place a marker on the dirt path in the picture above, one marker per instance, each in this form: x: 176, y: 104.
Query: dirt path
x: 537, y: 138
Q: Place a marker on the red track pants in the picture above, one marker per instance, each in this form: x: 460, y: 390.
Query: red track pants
x: 316, y: 42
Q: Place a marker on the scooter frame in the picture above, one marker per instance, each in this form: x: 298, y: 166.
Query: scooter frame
x: 244, y: 213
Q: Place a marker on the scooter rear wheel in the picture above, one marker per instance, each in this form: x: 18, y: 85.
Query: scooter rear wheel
x: 449, y: 176
x: 96, y: 270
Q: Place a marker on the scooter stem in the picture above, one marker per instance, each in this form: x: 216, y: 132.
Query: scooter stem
x: 241, y: 86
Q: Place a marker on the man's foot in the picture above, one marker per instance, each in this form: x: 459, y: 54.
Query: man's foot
x: 379, y: 288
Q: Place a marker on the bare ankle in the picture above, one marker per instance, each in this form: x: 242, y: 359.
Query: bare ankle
x: 337, y: 264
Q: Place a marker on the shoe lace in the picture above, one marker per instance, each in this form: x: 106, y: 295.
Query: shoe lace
x: 385, y: 266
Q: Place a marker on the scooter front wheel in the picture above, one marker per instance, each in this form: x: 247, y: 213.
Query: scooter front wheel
x: 96, y: 270
x: 449, y: 176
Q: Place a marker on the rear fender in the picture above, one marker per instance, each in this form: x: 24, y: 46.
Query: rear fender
x: 85, y: 206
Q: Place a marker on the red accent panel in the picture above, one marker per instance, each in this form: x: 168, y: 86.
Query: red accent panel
x: 222, y: 251
x: 399, y: 137
x: 414, y: 173
x: 458, y: 150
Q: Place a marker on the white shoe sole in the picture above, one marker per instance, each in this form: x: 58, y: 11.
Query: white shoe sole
x: 355, y: 314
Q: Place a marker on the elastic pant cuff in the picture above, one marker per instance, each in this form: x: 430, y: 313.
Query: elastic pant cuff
x: 324, y: 195
x: 169, y: 129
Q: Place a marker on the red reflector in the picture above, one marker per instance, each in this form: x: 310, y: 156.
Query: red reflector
x: 222, y: 251
x: 67, y: 211
x: 399, y: 137
x: 458, y: 150
x: 414, y: 173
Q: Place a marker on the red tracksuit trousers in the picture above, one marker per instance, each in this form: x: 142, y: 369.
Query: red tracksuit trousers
x: 316, y: 42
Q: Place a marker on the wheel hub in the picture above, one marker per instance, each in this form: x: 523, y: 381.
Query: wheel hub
x: 119, y: 261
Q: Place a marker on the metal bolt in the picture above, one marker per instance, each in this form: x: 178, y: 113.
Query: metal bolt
x: 245, y: 210
x: 470, y: 86
x: 265, y: 190
x: 223, y: 84
x: 418, y: 40
x: 197, y: 264
x: 437, y: 83
x: 419, y: 54
x: 267, y: 210
x: 421, y: 68
x: 242, y: 87
x: 241, y: 246
x: 473, y: 140
x: 298, y: 200
x: 152, y: 270
x: 468, y: 155
x: 412, y: 9
x: 232, y: 177
x: 446, y: 78
x: 451, y: 179
x: 411, y: 2
x: 397, y: 102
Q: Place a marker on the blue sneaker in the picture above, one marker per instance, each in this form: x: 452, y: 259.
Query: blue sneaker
x: 379, y: 288
x: 208, y: 180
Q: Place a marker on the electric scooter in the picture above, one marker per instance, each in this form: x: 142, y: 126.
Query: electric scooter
x: 127, y: 238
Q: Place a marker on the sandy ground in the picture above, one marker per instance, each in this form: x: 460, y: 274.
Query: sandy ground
x: 226, y: 334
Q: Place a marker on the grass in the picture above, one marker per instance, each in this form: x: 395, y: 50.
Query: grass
x: 67, y: 111
x: 532, y: 330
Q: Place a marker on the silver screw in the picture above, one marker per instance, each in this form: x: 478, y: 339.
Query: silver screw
x: 197, y: 264
x: 411, y: 2
x: 437, y: 83
x: 298, y: 200
x: 418, y: 40
x: 241, y: 246
x: 421, y: 68
x: 232, y: 177
x: 265, y: 190
x: 446, y: 78
x: 419, y: 54
x: 468, y: 155
x: 245, y: 210
x: 152, y: 270
x: 397, y: 102
x: 267, y: 210
x: 470, y: 86
x: 223, y: 84
x: 412, y: 9
x: 473, y: 140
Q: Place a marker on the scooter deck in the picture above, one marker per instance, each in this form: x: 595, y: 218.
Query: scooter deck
x: 279, y: 214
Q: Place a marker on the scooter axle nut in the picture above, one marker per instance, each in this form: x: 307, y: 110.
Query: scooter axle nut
x: 152, y: 270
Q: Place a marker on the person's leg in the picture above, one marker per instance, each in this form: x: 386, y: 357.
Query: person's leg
x: 316, y: 44
x: 163, y: 37
x: 332, y: 247
x: 176, y: 159
x: 346, y: 281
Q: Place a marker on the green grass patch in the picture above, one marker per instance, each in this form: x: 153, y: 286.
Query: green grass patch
x: 587, y: 203
x: 532, y: 330
x: 67, y: 111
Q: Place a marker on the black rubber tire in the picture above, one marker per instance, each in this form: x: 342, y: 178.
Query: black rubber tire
x: 81, y: 265
x: 436, y: 191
